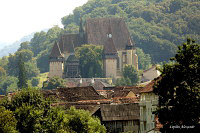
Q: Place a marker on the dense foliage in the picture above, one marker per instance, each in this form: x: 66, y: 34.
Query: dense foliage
x: 91, y: 63
x: 22, y: 76
x: 29, y: 112
x: 53, y: 83
x: 130, y: 76
x: 179, y: 89
x: 7, y: 121
x: 156, y: 26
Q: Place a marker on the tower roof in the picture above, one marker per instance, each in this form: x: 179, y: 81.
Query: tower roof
x: 56, y: 51
x: 69, y: 41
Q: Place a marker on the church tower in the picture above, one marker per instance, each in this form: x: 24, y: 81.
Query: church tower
x: 110, y: 57
x: 132, y: 58
x: 56, y: 62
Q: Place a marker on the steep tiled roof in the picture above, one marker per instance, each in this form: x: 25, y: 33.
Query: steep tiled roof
x: 109, y: 47
x: 68, y: 42
x: 73, y: 94
x: 114, y: 112
x: 56, y: 52
x: 72, y: 58
x: 97, y: 29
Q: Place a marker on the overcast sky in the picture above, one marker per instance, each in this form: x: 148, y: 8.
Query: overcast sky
x: 22, y: 17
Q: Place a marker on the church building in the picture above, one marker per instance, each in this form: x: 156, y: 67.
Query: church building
x: 112, y: 33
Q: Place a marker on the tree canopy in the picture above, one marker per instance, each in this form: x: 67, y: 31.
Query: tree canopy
x: 53, y: 83
x: 179, y: 89
x: 130, y: 76
x: 156, y: 26
x: 22, y: 77
x: 91, y: 63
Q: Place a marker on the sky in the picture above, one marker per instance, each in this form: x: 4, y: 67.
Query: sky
x: 19, y: 18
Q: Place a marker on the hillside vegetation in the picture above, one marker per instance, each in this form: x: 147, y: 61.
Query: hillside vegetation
x: 156, y: 27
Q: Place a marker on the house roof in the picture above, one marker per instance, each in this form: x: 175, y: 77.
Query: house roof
x: 97, y: 29
x: 114, y: 112
x: 72, y: 58
x: 56, y: 52
x: 97, y: 85
x: 134, y: 89
x: 91, y: 107
x: 73, y: 94
x: 149, y: 87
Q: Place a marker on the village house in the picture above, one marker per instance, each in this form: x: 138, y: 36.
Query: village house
x: 119, y: 118
x: 148, y: 104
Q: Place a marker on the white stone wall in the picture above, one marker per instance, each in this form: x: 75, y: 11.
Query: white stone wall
x: 147, y: 107
x: 110, y: 68
x: 56, y: 69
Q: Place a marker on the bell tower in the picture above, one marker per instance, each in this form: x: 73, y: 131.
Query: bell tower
x: 110, y: 57
x: 56, y: 62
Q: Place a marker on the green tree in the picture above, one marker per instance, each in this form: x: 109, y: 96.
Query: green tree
x: 179, y: 89
x: 53, y: 83
x: 144, y: 60
x: 37, y: 42
x: 2, y: 73
x: 123, y: 82
x: 22, y: 77
x: 43, y: 61
x: 35, y: 81
x: 90, y: 57
x: 4, y: 62
x: 24, y: 45
x: 8, y: 122
x: 131, y: 73
x: 130, y: 76
x: 71, y: 28
x: 81, y: 121
x: 9, y: 84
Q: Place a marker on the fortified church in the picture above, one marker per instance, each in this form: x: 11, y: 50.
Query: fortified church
x: 112, y: 33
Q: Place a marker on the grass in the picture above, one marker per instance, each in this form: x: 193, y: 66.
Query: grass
x: 42, y: 77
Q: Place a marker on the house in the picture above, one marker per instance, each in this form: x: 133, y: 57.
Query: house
x: 148, y: 103
x: 112, y: 33
x: 150, y: 74
x: 119, y: 117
